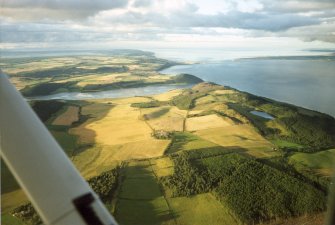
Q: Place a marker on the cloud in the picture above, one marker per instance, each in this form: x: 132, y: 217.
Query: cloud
x: 142, y: 3
x: 183, y: 18
x: 323, y: 32
x: 295, y: 6
x: 68, y: 4
x: 39, y: 9
x: 134, y: 20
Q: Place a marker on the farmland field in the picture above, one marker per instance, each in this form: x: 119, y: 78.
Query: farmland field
x: 205, y: 122
x: 11, y: 200
x: 165, y: 118
x: 322, y: 162
x: 188, y: 156
x: 140, y: 200
x: 7, y: 219
x: 167, y: 96
x: 242, y: 136
x: 202, y: 209
x: 67, y: 117
x: 162, y: 166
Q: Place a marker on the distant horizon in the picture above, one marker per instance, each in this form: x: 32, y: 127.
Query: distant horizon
x: 262, y: 25
x: 194, y: 54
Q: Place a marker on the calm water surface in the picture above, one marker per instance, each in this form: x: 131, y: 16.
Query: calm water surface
x: 262, y: 114
x: 118, y: 93
x: 307, y: 83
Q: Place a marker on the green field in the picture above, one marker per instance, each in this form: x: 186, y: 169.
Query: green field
x: 67, y: 141
x: 183, y: 141
x: 7, y: 219
x: 140, y: 200
x: 202, y: 209
x: 323, y: 161
x: 283, y: 144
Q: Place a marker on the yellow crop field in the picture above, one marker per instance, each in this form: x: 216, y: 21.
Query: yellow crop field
x: 95, y: 79
x: 239, y: 136
x: 86, y: 160
x: 205, y: 100
x: 130, y: 100
x: 206, y: 122
x: 223, y: 92
x: 141, y: 149
x: 194, y: 112
x: 162, y: 166
x: 120, y: 125
x: 117, y: 133
x: 101, y: 158
x: 96, y: 110
x: 165, y: 118
x: 208, y: 106
x: 12, y: 199
x: 167, y: 95
x: 67, y: 117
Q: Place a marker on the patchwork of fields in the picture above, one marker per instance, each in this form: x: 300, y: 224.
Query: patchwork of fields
x: 211, y: 153
x: 121, y: 70
x: 117, y: 135
x: 141, y: 199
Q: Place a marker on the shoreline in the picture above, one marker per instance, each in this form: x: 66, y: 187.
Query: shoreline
x: 256, y: 88
x: 171, y: 64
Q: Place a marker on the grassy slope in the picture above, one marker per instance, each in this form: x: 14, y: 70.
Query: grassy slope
x: 319, y: 160
x: 285, y: 144
x: 7, y: 219
x: 140, y: 200
x: 202, y: 209
x: 184, y: 141
x: 67, y: 141
x: 162, y: 166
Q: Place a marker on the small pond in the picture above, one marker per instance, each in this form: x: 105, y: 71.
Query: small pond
x: 262, y: 114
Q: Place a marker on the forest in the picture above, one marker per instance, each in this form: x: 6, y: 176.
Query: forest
x: 254, y: 191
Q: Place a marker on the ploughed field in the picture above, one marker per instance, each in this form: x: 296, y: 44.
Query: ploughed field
x: 189, y: 156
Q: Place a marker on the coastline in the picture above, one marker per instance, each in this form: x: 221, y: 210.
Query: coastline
x: 170, y: 65
x: 310, y: 88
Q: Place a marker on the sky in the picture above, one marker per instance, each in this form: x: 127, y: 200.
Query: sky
x: 104, y: 24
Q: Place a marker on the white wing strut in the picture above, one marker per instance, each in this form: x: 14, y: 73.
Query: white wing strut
x: 56, y: 189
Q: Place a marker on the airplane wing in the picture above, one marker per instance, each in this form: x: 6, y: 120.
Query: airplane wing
x: 58, y: 192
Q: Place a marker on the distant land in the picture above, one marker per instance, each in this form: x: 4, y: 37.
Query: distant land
x: 298, y: 57
x: 306, y: 81
x: 205, y: 154
x: 120, y: 70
